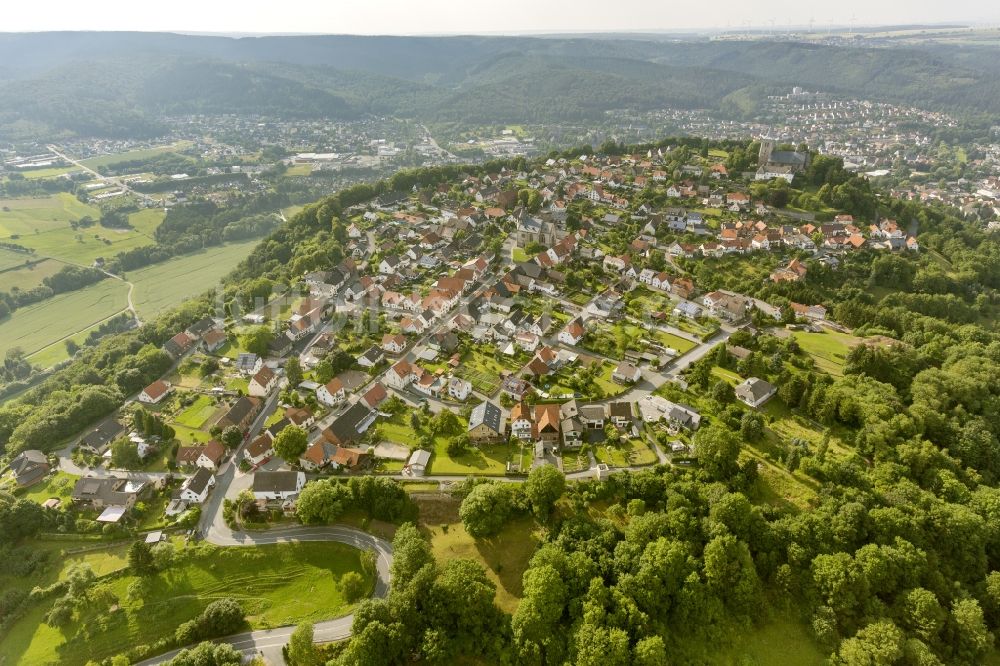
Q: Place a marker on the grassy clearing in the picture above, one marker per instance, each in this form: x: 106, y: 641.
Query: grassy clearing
x: 299, y: 170
x: 277, y: 585
x: 828, y: 349
x: 29, y: 277
x: 147, y: 220
x: 780, y: 641
x: 133, y: 155
x: 37, y: 326
x: 505, y: 556
x: 170, y: 283
x: 32, y: 215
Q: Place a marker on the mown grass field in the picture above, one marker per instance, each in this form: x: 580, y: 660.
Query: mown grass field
x: 11, y: 259
x: 828, y: 349
x: 28, y: 277
x: 56, y: 352
x: 51, y: 172
x: 172, y: 282
x: 133, y: 155
x: 37, y: 326
x: 27, y: 216
x: 276, y: 585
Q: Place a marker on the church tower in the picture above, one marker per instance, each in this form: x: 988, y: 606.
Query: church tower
x: 766, y: 148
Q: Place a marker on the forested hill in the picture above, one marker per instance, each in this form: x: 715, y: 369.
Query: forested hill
x: 122, y: 83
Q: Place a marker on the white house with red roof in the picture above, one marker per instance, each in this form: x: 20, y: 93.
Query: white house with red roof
x: 155, y: 392
x: 263, y: 383
x: 332, y: 393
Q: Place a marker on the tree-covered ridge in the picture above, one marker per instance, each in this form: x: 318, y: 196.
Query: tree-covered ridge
x: 122, y: 86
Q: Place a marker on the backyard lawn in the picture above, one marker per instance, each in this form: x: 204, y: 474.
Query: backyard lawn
x: 197, y: 413
x: 483, y: 370
x: 634, y: 452
x: 58, y: 485
x: 276, y: 585
x: 486, y: 460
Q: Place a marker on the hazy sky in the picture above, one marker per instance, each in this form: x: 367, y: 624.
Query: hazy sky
x: 450, y: 16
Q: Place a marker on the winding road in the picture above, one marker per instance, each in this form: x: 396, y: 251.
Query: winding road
x: 270, y: 641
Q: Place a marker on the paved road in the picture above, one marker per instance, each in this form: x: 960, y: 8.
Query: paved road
x: 270, y: 641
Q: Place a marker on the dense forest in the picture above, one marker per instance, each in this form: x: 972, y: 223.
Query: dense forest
x: 122, y: 85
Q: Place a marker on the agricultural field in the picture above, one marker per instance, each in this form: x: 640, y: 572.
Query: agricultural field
x: 28, y: 277
x: 276, y: 585
x: 170, y: 283
x: 49, y: 355
x: 51, y: 172
x: 28, y: 216
x: 11, y: 259
x: 37, y: 326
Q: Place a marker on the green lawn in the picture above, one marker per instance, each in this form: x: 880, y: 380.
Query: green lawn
x: 11, y: 259
x: 519, y: 254
x: 170, y: 283
x: 29, y: 277
x: 147, y: 220
x: 133, y: 155
x: 39, y: 325
x: 51, y: 172
x: 58, y: 485
x: 28, y: 216
x: 197, y: 413
x: 85, y: 245
x: 277, y: 585
x: 483, y: 370
x: 828, y: 349
x: 632, y: 453
x: 485, y: 460
x: 299, y: 170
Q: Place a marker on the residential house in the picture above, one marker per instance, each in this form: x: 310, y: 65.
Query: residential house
x: 515, y: 387
x: 301, y: 417
x: 208, y: 456
x: 196, y: 487
x: 177, y: 345
x: 99, y: 438
x: 155, y: 392
x: 521, y: 423
x: 263, y: 383
x: 241, y: 414
x: 249, y: 364
x: 371, y: 358
x: 459, y: 388
x: 332, y: 393
x: 401, y: 375
x: 592, y: 417
x: 375, y: 396
x: 107, y: 492
x: 626, y: 373
x: 794, y: 272
x: 486, y: 423
x: 351, y: 425
x: 29, y: 467
x: 755, y: 392
x: 260, y: 450
x: 620, y: 414
x: 546, y: 423
x: 573, y: 333
x: 277, y: 485
x: 393, y: 344
x: 214, y: 340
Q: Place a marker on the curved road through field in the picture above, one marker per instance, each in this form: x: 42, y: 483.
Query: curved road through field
x: 270, y: 641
